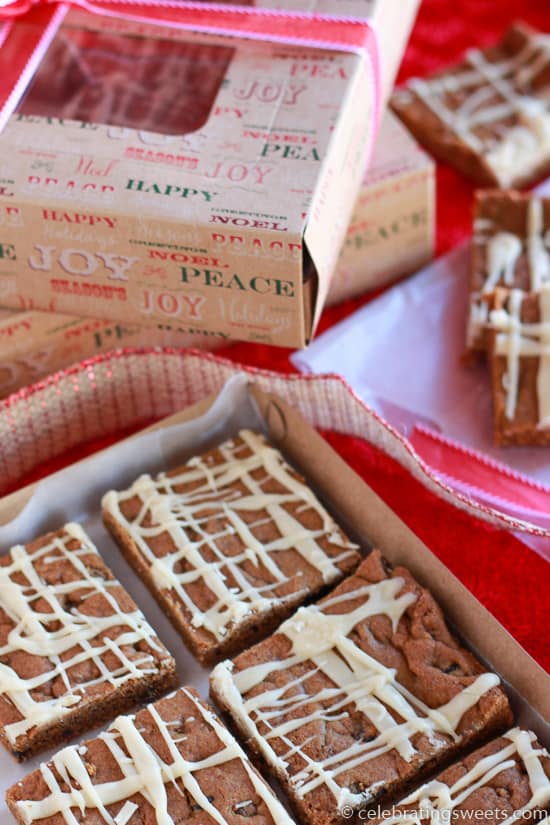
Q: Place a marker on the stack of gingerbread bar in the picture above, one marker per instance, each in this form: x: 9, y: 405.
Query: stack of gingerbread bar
x: 490, y: 118
x: 509, y: 316
x: 348, y: 700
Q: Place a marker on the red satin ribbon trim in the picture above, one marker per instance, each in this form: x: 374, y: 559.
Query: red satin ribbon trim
x: 343, y: 33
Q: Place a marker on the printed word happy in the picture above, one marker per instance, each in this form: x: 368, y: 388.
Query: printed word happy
x: 78, y: 218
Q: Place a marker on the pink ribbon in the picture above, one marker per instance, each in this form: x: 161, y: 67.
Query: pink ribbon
x: 19, y: 61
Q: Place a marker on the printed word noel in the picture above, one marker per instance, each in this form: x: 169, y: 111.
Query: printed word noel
x: 81, y: 262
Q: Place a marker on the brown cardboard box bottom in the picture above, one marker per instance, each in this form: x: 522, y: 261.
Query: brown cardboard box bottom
x: 392, y: 230
x: 368, y: 520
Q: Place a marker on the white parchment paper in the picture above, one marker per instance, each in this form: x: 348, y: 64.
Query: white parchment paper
x: 402, y: 354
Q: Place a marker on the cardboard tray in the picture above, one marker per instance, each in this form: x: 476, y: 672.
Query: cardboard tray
x: 75, y: 493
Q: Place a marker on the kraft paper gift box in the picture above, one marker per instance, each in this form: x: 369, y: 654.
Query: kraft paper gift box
x: 35, y: 344
x: 391, y: 234
x: 392, y: 230
x: 219, y: 203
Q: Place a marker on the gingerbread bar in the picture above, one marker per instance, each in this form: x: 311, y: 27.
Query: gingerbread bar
x: 174, y: 762
x: 360, y: 695
x: 509, y: 252
x: 229, y: 544
x: 489, y: 117
x: 507, y: 781
x: 74, y: 650
x: 520, y: 367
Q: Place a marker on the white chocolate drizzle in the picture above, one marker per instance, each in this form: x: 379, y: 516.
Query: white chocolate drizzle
x: 503, y: 252
x: 145, y: 772
x: 64, y: 634
x: 322, y: 640
x: 516, y: 340
x: 213, y: 499
x: 537, y: 253
x: 435, y: 801
x: 505, y: 248
x: 126, y: 813
x: 494, y: 92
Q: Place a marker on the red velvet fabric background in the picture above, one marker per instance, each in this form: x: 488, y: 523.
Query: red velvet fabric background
x: 511, y: 580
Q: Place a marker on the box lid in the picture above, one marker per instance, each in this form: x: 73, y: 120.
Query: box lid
x: 265, y: 182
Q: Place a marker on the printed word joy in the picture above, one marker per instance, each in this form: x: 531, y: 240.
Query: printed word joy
x: 81, y: 262
x: 172, y: 304
x: 268, y: 91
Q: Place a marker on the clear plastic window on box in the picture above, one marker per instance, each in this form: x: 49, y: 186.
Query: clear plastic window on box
x: 117, y: 79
